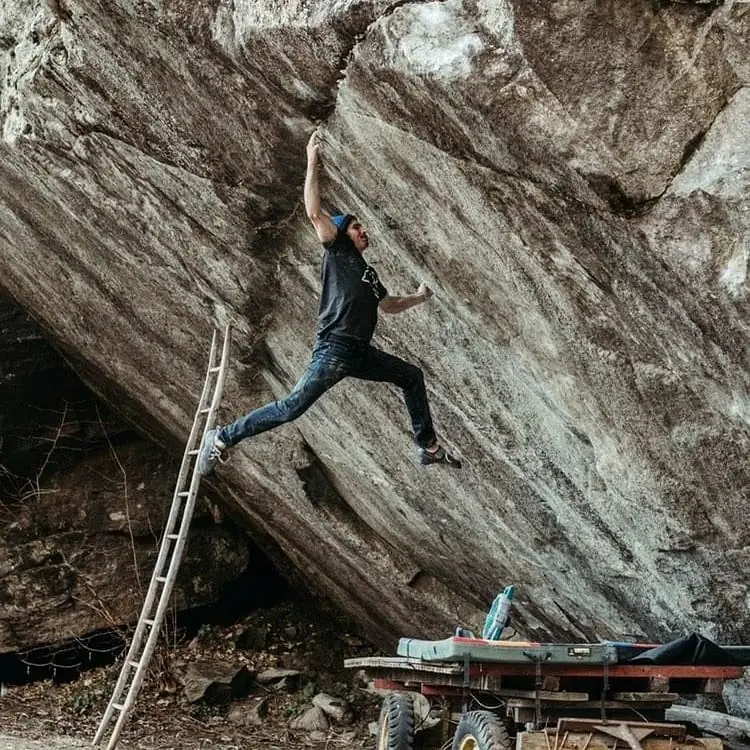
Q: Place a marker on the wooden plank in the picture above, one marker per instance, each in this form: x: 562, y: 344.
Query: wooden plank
x: 592, y: 704
x: 676, y: 671
x: 575, y: 740
x: 405, y: 681
x: 487, y: 683
x: 712, y: 721
x: 636, y: 697
x: 659, y: 728
x: 400, y: 662
x: 548, y: 697
x: 558, y: 696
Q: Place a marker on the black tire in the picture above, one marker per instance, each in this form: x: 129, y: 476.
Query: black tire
x: 481, y: 730
x: 396, y: 724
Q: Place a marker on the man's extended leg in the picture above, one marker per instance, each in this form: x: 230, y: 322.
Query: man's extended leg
x: 381, y: 367
x: 322, y: 373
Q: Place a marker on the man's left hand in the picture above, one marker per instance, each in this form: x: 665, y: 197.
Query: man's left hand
x: 424, y: 291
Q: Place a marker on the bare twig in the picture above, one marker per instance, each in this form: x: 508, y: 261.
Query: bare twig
x: 127, y: 503
x: 47, y: 458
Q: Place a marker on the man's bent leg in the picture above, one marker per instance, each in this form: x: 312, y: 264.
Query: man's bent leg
x: 381, y: 367
x: 321, y: 375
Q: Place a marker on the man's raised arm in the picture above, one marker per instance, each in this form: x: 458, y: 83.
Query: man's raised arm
x: 324, y: 227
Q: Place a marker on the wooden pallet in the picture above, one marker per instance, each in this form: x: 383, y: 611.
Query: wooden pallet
x: 664, y: 671
x: 640, y: 681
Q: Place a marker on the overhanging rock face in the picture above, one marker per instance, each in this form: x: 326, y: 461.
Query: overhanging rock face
x: 571, y: 178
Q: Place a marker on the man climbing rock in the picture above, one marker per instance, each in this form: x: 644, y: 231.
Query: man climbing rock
x: 351, y: 297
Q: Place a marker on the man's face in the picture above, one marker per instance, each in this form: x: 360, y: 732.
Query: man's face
x: 358, y: 235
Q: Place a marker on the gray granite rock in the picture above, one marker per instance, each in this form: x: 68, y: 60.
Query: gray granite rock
x: 569, y: 177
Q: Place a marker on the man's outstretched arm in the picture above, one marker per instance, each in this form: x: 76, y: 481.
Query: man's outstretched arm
x: 394, y: 305
x: 324, y: 227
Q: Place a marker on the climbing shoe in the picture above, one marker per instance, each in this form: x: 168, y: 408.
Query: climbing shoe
x: 438, y: 456
x: 210, y: 453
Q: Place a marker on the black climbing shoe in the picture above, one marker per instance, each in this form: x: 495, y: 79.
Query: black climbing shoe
x: 439, y: 456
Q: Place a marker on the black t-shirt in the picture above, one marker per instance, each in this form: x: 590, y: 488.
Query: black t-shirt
x: 351, y: 292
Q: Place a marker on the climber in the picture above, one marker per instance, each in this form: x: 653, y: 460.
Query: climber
x: 350, y: 299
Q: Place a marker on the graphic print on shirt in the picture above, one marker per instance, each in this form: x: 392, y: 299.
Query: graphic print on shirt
x: 370, y: 277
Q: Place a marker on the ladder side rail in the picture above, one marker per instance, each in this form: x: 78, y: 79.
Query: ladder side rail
x: 174, y: 565
x: 223, y: 368
x: 164, y: 546
x: 186, y: 458
x: 220, y: 379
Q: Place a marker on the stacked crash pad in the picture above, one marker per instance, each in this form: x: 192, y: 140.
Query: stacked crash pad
x: 693, y: 649
x: 458, y: 648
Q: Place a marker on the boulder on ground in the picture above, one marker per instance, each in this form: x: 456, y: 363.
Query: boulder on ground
x: 215, y: 681
x: 311, y: 720
x: 280, y: 679
x: 334, y: 708
x: 250, y: 712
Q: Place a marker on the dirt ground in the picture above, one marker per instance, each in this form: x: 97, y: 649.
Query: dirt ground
x: 45, y: 715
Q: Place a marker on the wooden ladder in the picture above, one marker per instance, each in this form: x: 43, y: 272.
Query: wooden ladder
x: 170, y: 551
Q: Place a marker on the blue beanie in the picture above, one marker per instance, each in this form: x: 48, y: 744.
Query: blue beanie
x: 342, y: 221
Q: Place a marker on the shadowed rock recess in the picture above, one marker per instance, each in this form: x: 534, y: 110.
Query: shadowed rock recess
x: 83, y: 500
x: 570, y: 177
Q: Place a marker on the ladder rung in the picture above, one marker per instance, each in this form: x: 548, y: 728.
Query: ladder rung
x: 173, y: 536
x: 161, y: 579
x: 194, y: 452
x: 134, y: 664
x: 205, y: 411
x: 149, y: 622
x: 118, y: 706
x: 215, y: 369
x: 183, y: 494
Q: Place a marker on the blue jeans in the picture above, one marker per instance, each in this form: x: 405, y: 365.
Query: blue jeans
x: 333, y: 358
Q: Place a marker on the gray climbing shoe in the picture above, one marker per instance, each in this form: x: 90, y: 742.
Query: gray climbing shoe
x: 210, y: 453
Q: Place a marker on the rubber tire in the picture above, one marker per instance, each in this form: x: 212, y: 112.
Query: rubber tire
x: 481, y: 730
x: 396, y: 724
